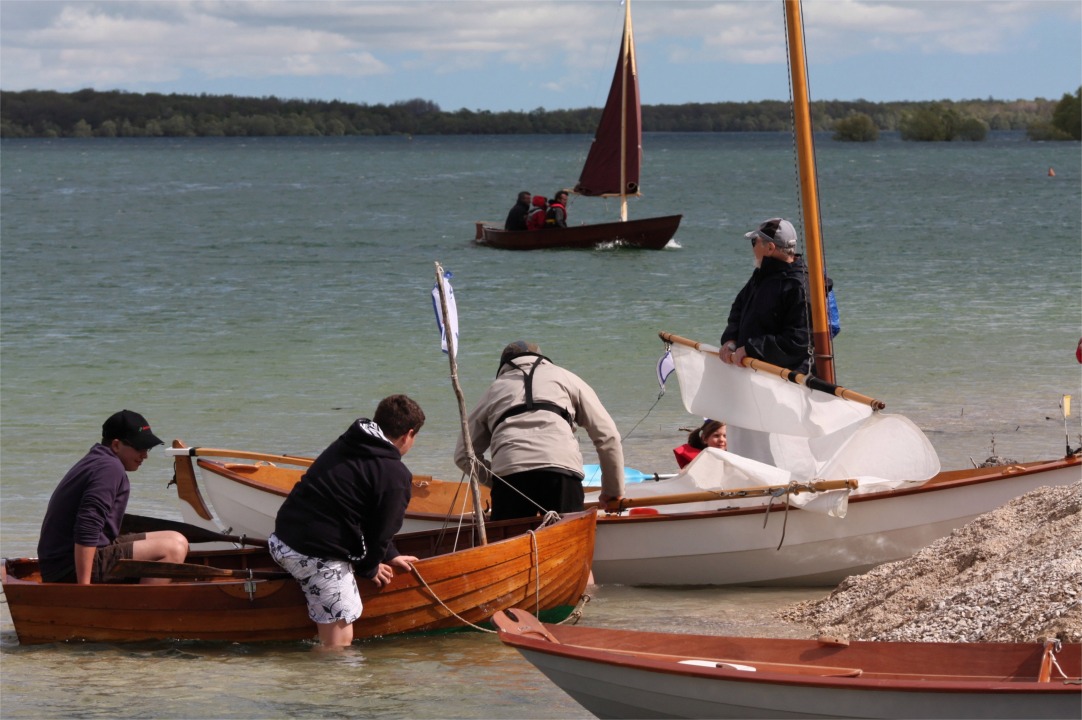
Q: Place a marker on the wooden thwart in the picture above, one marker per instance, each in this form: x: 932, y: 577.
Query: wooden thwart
x: 193, y: 533
x: 187, y: 571
x: 734, y: 493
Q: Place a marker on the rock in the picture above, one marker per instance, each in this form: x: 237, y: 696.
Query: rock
x: 1011, y: 575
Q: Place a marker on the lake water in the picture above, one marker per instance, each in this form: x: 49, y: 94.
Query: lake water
x: 262, y: 293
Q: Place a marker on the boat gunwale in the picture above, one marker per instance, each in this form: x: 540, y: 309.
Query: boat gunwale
x: 951, y: 480
x: 866, y: 681
x: 207, y: 556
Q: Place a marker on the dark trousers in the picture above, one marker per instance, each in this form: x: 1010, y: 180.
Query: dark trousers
x: 548, y: 488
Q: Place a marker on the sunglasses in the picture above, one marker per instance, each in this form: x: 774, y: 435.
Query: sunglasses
x: 760, y: 237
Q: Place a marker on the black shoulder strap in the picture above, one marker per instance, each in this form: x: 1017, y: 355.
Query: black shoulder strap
x: 530, y: 405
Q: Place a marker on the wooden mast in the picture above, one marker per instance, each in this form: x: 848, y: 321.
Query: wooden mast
x: 809, y: 194
x: 627, y: 53
x: 475, y: 489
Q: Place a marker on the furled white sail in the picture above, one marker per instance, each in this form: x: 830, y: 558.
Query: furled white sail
x: 805, y: 434
x: 757, y: 401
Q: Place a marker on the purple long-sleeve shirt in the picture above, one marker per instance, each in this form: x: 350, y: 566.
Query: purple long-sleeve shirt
x: 86, y: 508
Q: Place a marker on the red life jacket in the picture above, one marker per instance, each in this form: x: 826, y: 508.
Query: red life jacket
x: 550, y: 216
x: 535, y: 219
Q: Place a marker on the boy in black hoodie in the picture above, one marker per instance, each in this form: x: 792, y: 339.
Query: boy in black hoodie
x: 340, y: 518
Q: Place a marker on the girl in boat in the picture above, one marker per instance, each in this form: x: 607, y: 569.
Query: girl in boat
x: 712, y: 433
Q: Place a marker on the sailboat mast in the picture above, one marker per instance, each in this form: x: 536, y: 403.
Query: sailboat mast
x: 809, y: 193
x: 627, y: 52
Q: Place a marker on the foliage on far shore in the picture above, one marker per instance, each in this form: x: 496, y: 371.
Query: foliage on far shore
x: 1066, y: 121
x: 938, y: 122
x: 858, y: 127
x: 91, y: 113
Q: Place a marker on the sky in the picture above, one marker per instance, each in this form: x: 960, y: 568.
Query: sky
x: 521, y: 55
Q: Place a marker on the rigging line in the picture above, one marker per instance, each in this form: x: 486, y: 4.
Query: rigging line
x: 796, y: 174
x: 537, y: 584
x: 626, y: 435
x: 495, y: 477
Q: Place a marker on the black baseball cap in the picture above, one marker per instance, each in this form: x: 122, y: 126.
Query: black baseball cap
x: 131, y: 428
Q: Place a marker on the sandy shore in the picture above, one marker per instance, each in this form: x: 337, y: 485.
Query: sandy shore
x: 1011, y: 575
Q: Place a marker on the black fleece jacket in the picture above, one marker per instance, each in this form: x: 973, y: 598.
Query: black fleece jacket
x: 770, y: 316
x: 350, y: 503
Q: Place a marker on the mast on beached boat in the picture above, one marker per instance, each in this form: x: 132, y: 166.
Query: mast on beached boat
x: 809, y: 193
x: 615, y: 157
x: 452, y: 350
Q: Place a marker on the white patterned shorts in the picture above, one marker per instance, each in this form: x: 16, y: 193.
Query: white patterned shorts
x: 328, y: 585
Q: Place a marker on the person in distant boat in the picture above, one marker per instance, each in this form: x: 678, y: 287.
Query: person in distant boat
x: 535, y: 220
x: 526, y: 420
x: 712, y: 433
x: 80, y: 537
x: 338, y: 521
x: 556, y: 216
x: 770, y: 318
x: 516, y: 216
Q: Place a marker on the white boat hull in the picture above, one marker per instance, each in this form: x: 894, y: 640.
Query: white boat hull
x: 732, y: 547
x: 247, y: 510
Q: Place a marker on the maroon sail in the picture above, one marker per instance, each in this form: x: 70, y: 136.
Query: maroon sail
x: 612, y: 166
x: 611, y: 170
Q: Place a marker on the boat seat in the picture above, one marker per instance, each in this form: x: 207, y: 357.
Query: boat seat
x: 787, y: 668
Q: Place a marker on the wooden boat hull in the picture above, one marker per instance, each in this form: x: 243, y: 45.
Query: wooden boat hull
x: 630, y: 674
x: 646, y: 233
x: 732, y: 547
x: 547, y: 569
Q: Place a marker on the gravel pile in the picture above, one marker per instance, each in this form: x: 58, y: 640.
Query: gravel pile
x: 1011, y: 575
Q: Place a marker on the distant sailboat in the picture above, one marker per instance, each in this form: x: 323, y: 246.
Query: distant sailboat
x: 611, y: 170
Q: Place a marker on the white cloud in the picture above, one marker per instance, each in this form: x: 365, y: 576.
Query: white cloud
x: 139, y: 45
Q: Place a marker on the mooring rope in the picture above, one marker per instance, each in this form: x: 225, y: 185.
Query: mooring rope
x: 549, y: 518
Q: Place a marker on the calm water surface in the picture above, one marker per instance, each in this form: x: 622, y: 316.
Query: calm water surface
x: 262, y: 293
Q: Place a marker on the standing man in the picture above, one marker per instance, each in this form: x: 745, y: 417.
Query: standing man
x: 80, y: 537
x: 341, y: 516
x: 516, y: 216
x: 770, y: 318
x: 527, y: 420
x: 557, y: 212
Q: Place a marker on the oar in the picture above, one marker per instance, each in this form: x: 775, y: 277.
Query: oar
x: 240, y: 455
x: 784, y: 373
x: 179, y: 571
x: 194, y: 533
x: 734, y: 493
x: 631, y: 475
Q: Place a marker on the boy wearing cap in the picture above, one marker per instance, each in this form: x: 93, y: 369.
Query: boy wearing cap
x: 526, y: 420
x: 769, y: 320
x: 80, y: 537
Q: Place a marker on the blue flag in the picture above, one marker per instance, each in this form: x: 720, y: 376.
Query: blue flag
x: 452, y: 311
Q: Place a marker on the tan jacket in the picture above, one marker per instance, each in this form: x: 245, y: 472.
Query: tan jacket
x: 542, y: 438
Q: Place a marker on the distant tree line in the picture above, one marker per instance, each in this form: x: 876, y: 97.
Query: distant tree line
x: 90, y: 113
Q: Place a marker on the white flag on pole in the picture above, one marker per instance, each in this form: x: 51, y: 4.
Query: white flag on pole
x: 665, y: 367
x: 452, y: 311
